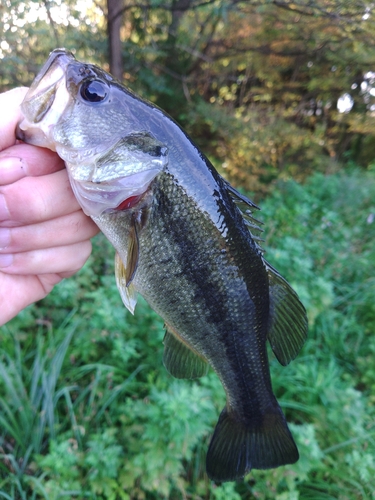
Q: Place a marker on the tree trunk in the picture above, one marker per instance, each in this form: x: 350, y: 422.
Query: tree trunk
x: 114, y: 22
x: 179, y: 7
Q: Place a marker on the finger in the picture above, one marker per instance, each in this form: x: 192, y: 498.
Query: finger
x: 17, y: 292
x: 65, y: 260
x: 36, y: 199
x: 10, y: 115
x: 23, y: 160
x: 65, y: 230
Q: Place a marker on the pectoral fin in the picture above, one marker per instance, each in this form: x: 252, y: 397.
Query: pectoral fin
x: 287, y: 329
x: 127, y: 292
x: 180, y: 360
x: 133, y: 252
x: 125, y: 274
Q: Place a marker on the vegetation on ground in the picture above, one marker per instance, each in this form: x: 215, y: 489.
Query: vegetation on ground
x: 88, y: 411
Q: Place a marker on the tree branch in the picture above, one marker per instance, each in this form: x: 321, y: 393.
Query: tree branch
x: 170, y: 8
x: 52, y: 23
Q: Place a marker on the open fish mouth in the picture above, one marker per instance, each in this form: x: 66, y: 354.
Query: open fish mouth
x: 45, y: 101
x: 47, y: 81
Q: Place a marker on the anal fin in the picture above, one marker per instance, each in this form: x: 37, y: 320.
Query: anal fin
x: 179, y: 359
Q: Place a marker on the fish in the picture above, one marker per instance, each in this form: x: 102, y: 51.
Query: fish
x: 186, y: 240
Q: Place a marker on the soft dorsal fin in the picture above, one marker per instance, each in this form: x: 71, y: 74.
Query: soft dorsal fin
x: 246, y: 208
x: 287, y: 329
x: 179, y: 359
x: 127, y: 292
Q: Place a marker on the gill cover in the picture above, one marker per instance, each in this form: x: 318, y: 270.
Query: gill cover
x: 126, y: 170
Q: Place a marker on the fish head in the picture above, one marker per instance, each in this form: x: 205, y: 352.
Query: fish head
x: 97, y: 126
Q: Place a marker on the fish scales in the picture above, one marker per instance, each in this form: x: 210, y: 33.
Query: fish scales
x: 183, y: 242
x: 175, y: 252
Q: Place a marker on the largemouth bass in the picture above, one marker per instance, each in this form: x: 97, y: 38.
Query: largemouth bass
x: 184, y: 241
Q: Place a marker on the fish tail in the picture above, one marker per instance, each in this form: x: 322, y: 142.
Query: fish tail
x: 237, y: 446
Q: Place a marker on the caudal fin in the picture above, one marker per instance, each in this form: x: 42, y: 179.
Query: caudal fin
x: 236, y: 448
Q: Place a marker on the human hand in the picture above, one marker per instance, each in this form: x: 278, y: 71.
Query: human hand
x: 44, y: 235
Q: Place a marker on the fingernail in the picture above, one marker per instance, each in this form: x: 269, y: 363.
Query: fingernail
x: 11, y: 162
x: 6, y: 259
x: 4, y: 212
x: 4, y: 237
x: 12, y: 168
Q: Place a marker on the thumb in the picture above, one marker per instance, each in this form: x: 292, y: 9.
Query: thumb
x: 10, y: 115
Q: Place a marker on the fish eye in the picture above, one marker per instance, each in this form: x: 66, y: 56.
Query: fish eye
x: 94, y: 91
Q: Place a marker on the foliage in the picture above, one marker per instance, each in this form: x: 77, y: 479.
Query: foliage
x: 256, y: 81
x: 88, y: 411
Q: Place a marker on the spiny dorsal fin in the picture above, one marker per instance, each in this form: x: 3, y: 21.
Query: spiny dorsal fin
x: 287, y: 330
x: 128, y: 293
x: 179, y: 359
x: 246, y: 208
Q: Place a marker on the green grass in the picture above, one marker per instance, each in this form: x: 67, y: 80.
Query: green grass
x: 88, y: 411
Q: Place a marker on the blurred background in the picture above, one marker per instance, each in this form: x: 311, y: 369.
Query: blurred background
x: 280, y: 95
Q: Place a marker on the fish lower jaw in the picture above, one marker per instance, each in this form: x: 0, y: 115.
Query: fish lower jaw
x: 35, y: 135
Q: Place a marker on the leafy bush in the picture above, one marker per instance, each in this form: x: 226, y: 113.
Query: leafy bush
x: 88, y: 411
